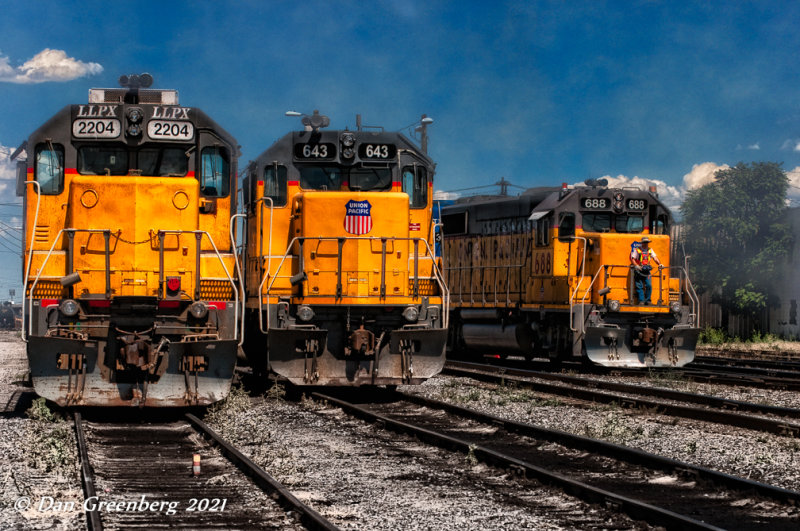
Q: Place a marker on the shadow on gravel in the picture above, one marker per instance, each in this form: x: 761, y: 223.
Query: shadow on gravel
x: 18, y: 403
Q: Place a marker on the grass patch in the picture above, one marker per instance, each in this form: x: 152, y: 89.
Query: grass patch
x: 50, y: 440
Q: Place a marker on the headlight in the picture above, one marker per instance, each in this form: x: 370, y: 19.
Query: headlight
x: 69, y: 307
x: 305, y: 313
x: 198, y: 309
x: 348, y: 153
x: 675, y: 307
x: 613, y: 306
x: 348, y: 139
x: 410, y: 314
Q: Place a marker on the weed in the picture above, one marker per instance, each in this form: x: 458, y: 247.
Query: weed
x: 277, y: 391
x: 691, y: 447
x: 40, y: 411
x: 712, y: 336
x: 50, y: 440
x: 224, y: 411
x: 471, y: 458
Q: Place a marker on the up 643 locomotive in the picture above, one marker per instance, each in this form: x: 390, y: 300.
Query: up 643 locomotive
x: 129, y: 265
x: 548, y: 273
x: 342, y: 284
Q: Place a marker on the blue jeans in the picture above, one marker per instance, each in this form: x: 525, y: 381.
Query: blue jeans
x: 644, y: 287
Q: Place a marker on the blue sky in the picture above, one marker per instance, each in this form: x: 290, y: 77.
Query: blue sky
x: 536, y: 92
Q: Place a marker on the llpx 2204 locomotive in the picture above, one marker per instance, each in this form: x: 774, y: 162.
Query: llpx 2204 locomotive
x: 342, y: 284
x: 548, y: 273
x: 129, y: 264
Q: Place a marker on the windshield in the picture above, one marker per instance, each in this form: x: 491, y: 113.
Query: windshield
x: 621, y: 223
x: 167, y: 162
x: 110, y: 160
x: 334, y: 178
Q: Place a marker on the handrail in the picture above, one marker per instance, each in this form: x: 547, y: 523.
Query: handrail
x: 263, y: 200
x: 30, y: 256
x: 583, y: 270
x: 160, y: 234
x: 238, y: 272
x: 695, y: 302
x: 301, y: 239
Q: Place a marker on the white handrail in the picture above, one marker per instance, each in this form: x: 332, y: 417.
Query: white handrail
x: 210, y: 239
x: 30, y: 255
x: 239, y: 273
x: 437, y: 273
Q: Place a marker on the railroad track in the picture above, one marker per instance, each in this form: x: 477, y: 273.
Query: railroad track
x: 771, y: 419
x: 769, y: 364
x: 759, y: 378
x: 140, y: 475
x: 643, y: 486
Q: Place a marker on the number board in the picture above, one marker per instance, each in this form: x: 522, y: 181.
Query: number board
x: 95, y: 128
x: 636, y: 204
x: 595, y: 202
x: 170, y: 130
x: 377, y: 151
x: 321, y: 151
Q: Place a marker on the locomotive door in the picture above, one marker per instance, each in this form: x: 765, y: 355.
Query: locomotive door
x: 416, y: 181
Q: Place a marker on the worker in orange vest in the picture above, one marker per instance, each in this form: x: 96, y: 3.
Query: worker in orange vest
x: 642, y: 258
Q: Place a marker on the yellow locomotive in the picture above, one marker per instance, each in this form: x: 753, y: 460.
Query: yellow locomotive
x: 342, y: 284
x: 132, y: 296
x: 549, y: 273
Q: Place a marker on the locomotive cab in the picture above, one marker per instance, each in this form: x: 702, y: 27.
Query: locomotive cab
x: 131, y: 292
x: 548, y: 273
x: 342, y: 284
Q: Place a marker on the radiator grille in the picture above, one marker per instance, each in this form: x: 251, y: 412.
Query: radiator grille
x: 427, y: 287
x: 216, y: 290
x: 46, y: 289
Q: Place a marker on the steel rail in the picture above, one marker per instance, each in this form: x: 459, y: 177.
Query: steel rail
x: 783, y: 374
x: 617, y: 451
x: 582, y: 392
x: 93, y: 522
x: 308, y: 516
x: 657, y: 392
x: 633, y: 508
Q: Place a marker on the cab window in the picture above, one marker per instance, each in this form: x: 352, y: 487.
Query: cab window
x: 214, y: 172
x: 596, y: 222
x: 415, y: 184
x: 320, y: 178
x: 49, y: 168
x: 566, y: 225
x: 629, y: 224
x: 275, y: 184
x: 543, y: 232
x: 166, y: 162
x: 105, y: 160
x: 370, y: 179
x: 660, y: 225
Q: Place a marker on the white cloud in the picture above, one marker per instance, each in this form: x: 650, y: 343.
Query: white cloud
x: 702, y: 174
x: 791, y: 143
x: 754, y: 147
x: 793, y: 195
x: 47, y: 65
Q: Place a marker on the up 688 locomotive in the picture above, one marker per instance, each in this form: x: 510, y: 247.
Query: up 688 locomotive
x: 129, y: 264
x: 548, y: 273
x: 342, y: 284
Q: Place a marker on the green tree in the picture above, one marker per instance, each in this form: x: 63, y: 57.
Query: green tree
x: 737, y: 236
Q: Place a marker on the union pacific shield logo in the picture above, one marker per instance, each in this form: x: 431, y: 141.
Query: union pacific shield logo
x: 358, y: 220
